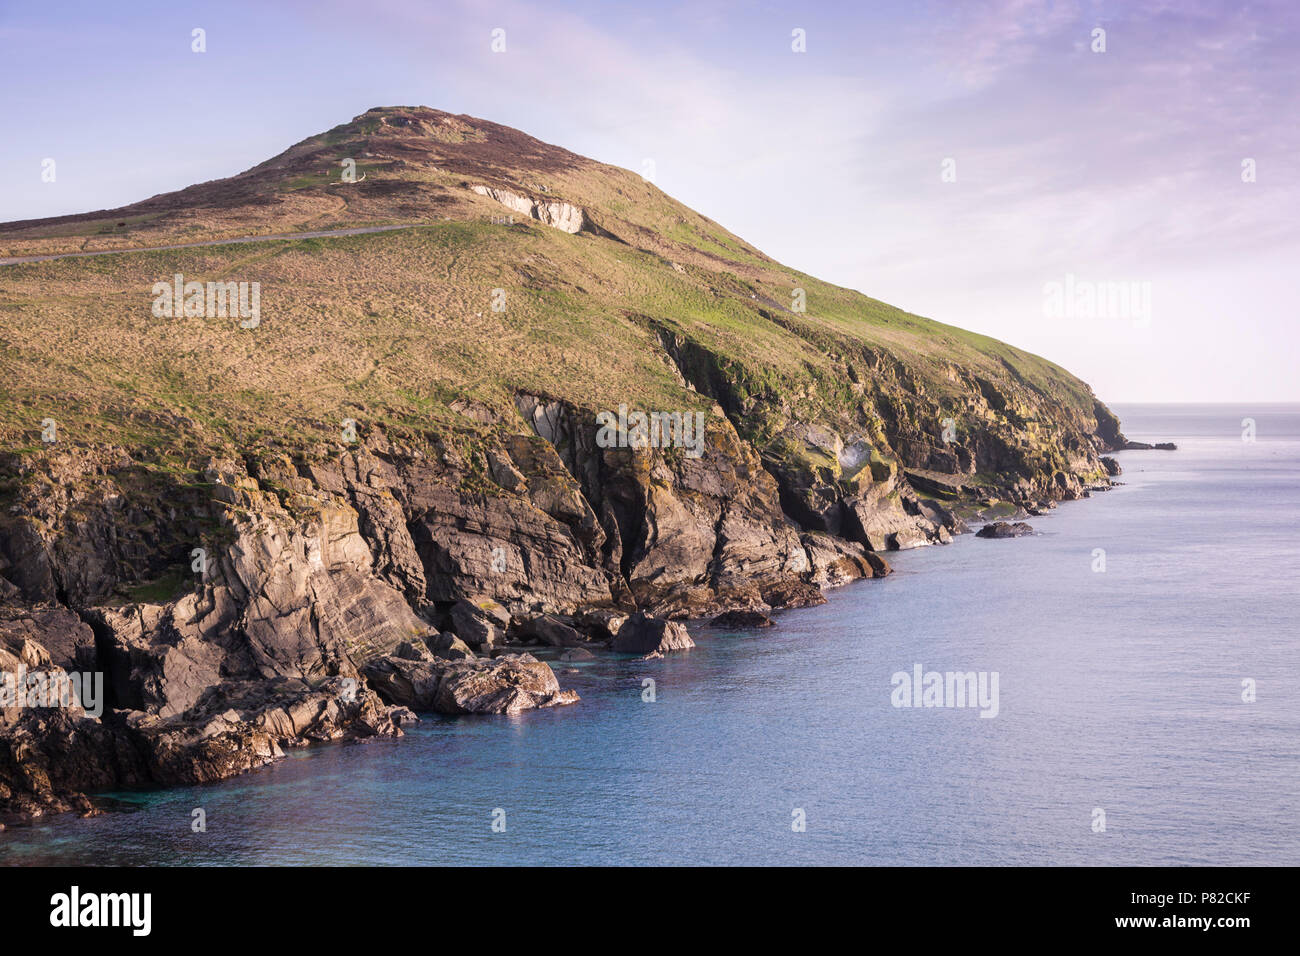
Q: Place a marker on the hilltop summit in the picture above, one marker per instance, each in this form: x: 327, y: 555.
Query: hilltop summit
x: 389, y: 165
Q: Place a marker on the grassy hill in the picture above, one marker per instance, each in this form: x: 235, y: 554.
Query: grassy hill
x: 391, y: 328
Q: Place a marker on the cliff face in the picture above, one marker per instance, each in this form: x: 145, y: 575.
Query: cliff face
x: 248, y: 577
x: 311, y: 576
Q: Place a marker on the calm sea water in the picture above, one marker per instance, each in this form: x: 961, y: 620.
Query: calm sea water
x: 1119, y: 690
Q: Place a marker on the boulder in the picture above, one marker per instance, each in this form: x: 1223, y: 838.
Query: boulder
x: 480, y: 623
x: 888, y: 517
x: 149, y: 665
x: 937, y: 514
x: 879, y: 566
x: 403, y: 716
x: 834, y: 561
x: 504, y: 685
x: 406, y: 683
x: 449, y: 646
x: 69, y: 640
x: 794, y: 592
x: 642, y: 634
x: 551, y: 630
x: 414, y: 651
x: 601, y: 623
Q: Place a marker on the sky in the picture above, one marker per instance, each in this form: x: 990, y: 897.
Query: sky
x: 1125, y: 203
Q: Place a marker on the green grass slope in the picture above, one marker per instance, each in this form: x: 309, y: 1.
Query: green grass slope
x: 397, y: 330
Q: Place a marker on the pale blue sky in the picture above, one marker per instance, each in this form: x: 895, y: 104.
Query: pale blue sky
x: 1115, y: 166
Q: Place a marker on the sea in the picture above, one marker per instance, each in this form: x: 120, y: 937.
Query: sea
x: 1139, y: 659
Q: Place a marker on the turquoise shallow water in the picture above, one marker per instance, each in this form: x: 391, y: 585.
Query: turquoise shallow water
x: 1118, y: 690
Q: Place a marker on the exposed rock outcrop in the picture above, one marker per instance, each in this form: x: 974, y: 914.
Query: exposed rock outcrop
x: 1144, y: 446
x: 52, y: 758
x: 1004, y: 529
x: 548, y: 629
x: 480, y: 623
x: 735, y: 620
x: 563, y: 216
x: 291, y: 611
x: 503, y: 685
x: 642, y: 634
x: 69, y: 642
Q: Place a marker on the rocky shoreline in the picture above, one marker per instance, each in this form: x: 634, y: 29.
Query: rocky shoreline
x: 333, y: 596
